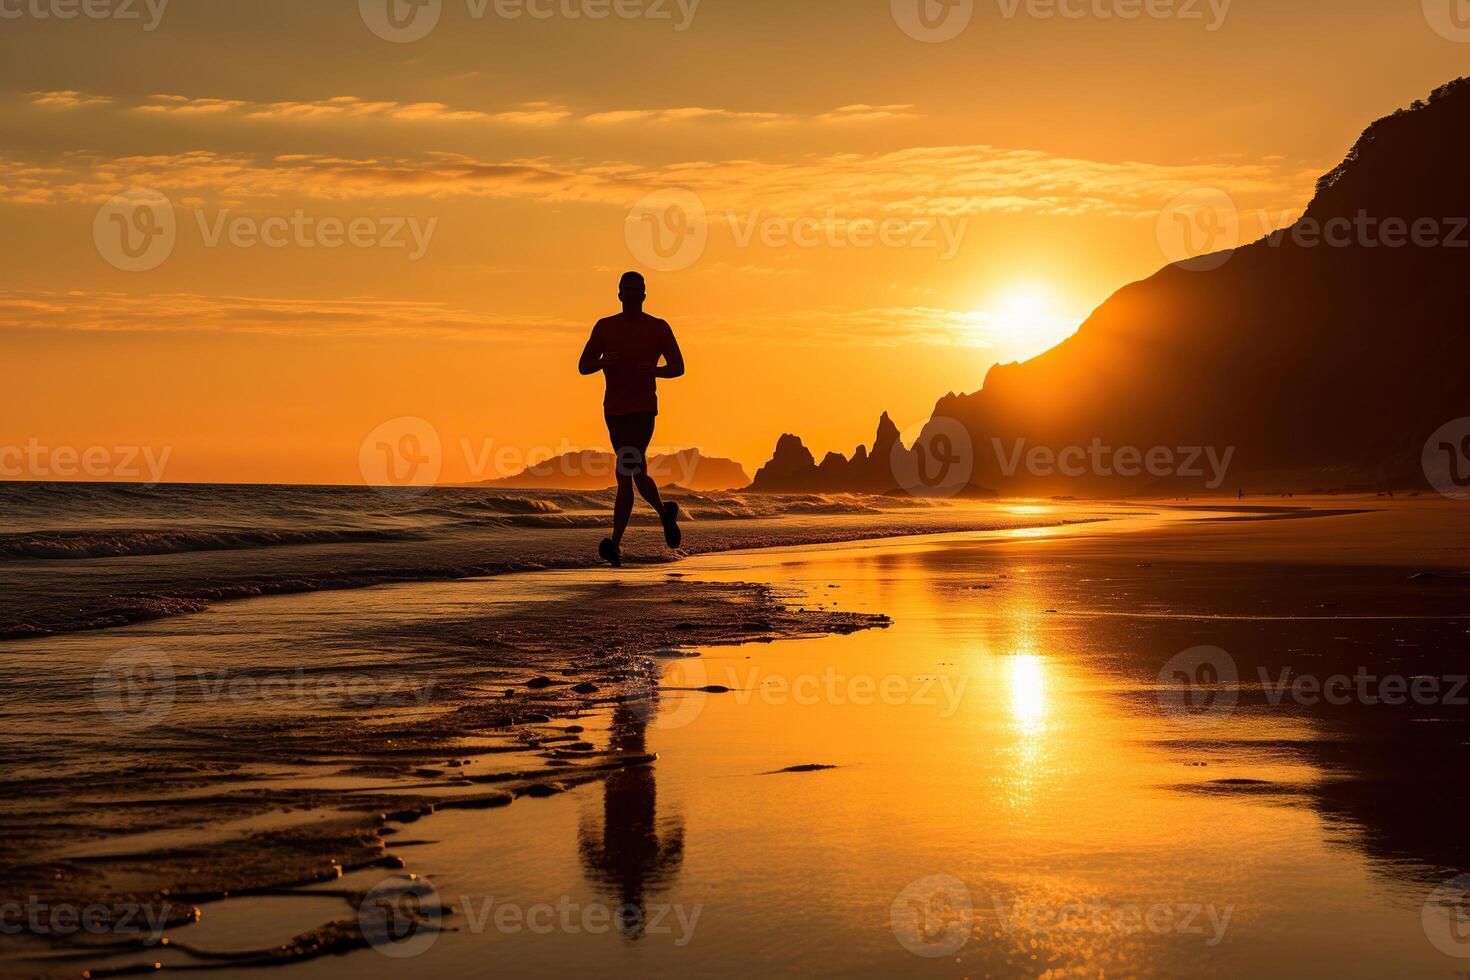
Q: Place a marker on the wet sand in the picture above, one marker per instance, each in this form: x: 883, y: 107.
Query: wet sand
x: 1025, y: 748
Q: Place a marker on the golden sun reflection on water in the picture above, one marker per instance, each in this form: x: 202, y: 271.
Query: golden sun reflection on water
x: 1031, y: 751
x: 1028, y: 692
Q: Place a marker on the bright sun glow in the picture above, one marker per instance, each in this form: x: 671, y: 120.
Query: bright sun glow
x: 1026, y: 304
x: 1025, y: 321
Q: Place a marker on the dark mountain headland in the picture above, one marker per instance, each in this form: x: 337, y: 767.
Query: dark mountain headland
x: 889, y: 467
x: 1322, y: 356
x: 594, y: 470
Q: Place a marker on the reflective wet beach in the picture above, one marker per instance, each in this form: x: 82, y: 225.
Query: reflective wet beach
x: 1012, y: 795
x: 1013, y: 791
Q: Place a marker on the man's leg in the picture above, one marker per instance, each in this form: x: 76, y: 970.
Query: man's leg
x: 623, y: 504
x: 668, y: 513
x: 623, y: 507
x: 631, y: 435
x: 638, y: 462
x: 649, y: 489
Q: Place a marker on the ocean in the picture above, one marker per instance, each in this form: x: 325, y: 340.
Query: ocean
x: 79, y: 556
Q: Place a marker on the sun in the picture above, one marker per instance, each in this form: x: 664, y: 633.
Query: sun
x: 1025, y: 320
x: 1026, y: 304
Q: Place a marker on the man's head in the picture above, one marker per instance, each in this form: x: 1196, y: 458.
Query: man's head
x: 632, y: 290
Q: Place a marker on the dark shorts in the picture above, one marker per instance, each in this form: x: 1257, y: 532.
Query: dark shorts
x: 630, y: 436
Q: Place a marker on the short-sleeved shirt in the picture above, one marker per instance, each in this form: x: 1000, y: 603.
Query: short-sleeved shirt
x: 639, y: 340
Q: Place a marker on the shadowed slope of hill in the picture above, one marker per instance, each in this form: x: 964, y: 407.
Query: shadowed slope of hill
x: 1324, y: 355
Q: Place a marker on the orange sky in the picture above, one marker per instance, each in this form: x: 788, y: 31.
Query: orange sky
x: 882, y: 218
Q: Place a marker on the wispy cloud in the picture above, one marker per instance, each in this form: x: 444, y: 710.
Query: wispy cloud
x: 368, y: 317
x: 182, y: 105
x: 868, y: 113
x: 834, y: 326
x: 68, y: 99
x: 929, y: 182
x: 191, y: 313
x: 351, y: 107
x: 689, y: 114
x: 536, y: 114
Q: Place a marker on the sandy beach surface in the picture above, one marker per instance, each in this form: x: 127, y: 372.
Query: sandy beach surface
x: 1206, y: 739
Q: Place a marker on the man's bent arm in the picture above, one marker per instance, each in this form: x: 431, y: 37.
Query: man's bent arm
x: 591, y: 361
x: 674, y: 366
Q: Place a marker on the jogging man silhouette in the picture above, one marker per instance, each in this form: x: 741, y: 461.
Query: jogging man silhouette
x: 627, y: 349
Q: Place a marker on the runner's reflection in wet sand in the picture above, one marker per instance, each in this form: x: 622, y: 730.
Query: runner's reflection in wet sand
x: 634, y: 852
